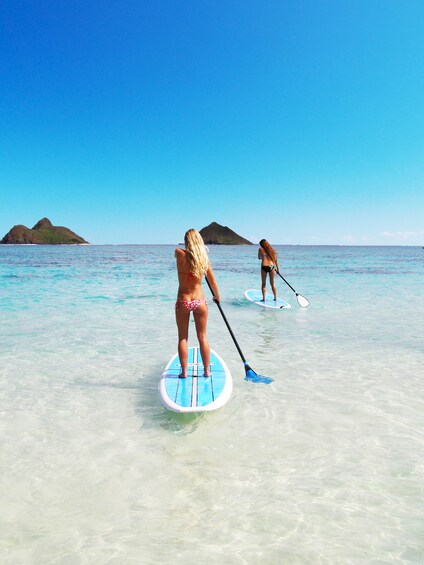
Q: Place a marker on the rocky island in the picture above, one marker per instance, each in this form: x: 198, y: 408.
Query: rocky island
x: 215, y: 234
x: 43, y: 233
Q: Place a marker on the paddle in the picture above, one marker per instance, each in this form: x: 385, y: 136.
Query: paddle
x: 250, y: 373
x: 304, y: 302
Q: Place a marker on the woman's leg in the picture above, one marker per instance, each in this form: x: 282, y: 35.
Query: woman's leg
x: 263, y: 276
x: 201, y: 319
x: 182, y: 316
x: 271, y: 281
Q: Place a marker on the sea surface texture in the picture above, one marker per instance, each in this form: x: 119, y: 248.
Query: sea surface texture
x: 323, y: 466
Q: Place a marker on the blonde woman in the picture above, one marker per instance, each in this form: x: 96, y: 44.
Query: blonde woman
x: 269, y: 263
x: 192, y: 264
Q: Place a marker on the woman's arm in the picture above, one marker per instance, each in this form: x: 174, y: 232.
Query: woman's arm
x: 260, y: 253
x: 214, y: 285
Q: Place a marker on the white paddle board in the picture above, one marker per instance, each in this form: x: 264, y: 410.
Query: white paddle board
x: 256, y: 297
x: 195, y: 393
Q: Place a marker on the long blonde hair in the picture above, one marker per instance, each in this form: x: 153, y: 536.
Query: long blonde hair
x: 198, y: 260
x: 269, y: 250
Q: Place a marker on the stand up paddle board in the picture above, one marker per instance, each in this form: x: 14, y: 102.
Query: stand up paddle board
x: 195, y: 393
x: 256, y: 297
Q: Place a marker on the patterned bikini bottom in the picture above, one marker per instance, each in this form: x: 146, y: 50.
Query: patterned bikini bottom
x: 190, y: 305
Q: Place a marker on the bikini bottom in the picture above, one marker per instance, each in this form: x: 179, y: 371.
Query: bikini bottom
x: 190, y: 305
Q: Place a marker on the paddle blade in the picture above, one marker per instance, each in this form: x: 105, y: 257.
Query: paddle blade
x: 255, y: 378
x: 304, y: 302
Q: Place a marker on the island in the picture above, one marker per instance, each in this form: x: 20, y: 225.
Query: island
x: 43, y: 233
x: 215, y: 234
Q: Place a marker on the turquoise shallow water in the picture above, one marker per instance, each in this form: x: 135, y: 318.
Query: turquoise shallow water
x: 325, y: 465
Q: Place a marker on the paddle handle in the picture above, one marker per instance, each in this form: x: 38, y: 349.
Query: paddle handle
x: 226, y: 323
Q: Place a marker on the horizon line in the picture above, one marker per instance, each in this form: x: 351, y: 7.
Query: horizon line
x: 88, y: 244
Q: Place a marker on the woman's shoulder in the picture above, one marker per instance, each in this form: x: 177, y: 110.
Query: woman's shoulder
x: 179, y: 252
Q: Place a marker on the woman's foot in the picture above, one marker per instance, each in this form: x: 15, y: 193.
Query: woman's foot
x: 181, y: 376
x: 207, y: 375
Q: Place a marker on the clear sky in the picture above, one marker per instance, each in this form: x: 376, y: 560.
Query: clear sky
x: 300, y: 121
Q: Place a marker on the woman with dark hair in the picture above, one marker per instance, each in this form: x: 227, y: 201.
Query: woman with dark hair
x: 269, y: 263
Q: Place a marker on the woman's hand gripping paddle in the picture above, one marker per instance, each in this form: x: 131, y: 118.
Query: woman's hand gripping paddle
x: 304, y: 302
x: 250, y: 373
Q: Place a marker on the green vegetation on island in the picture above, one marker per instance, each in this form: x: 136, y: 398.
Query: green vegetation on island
x: 43, y: 233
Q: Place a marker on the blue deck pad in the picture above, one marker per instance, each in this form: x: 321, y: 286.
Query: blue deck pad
x: 184, y: 390
x: 172, y: 379
x: 173, y: 382
x: 204, y: 391
x: 211, y: 388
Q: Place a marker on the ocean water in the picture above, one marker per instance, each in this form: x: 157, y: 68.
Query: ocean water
x: 325, y: 465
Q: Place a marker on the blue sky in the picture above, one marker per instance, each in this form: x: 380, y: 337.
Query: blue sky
x: 299, y: 121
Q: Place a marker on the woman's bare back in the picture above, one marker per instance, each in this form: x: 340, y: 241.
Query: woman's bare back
x: 190, y: 287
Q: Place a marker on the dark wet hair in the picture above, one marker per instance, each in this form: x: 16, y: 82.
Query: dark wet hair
x: 270, y: 251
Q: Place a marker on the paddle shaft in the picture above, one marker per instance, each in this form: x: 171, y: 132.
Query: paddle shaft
x: 287, y: 283
x: 227, y: 324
